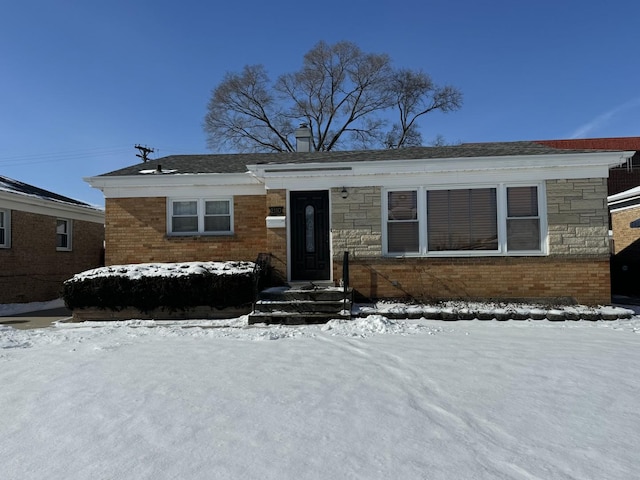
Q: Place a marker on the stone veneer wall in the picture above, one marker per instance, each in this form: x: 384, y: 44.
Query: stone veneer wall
x: 576, y: 269
x: 136, y: 232
x: 578, y: 217
x: 356, y: 222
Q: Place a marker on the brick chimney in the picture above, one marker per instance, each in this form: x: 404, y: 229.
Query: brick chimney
x: 303, y: 138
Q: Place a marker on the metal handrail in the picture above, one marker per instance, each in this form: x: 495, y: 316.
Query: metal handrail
x: 345, y: 281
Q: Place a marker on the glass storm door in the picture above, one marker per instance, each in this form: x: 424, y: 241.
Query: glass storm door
x: 310, y: 258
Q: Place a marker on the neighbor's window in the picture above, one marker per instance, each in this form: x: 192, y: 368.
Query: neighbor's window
x: 201, y: 216
x: 63, y: 234
x: 493, y: 220
x: 5, y: 229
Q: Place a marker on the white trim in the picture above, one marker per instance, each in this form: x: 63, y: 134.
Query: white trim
x: 52, y: 208
x: 501, y: 212
x: 199, y: 185
x: 7, y: 228
x: 200, y: 212
x: 523, y: 168
x: 624, y: 200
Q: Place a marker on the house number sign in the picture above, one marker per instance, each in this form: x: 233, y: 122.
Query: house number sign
x: 276, y: 211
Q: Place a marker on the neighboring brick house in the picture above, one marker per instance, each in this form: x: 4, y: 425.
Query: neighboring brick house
x: 625, y: 226
x: 45, y: 238
x: 504, y: 221
x: 621, y: 177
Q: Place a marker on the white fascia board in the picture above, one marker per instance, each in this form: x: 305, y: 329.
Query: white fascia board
x: 627, y: 194
x: 451, y: 178
x: 431, y: 165
x: 52, y: 208
x: 138, y: 186
x: 624, y: 200
x: 450, y: 170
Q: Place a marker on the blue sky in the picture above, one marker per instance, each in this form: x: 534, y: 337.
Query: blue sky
x: 81, y: 82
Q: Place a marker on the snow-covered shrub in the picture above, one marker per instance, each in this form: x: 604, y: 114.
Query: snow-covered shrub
x: 175, y: 286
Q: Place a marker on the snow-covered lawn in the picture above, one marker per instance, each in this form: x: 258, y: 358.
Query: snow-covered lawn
x: 368, y: 399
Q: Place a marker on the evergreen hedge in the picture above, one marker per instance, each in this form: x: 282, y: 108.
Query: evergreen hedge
x: 172, y: 292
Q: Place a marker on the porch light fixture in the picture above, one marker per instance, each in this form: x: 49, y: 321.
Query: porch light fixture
x: 344, y: 193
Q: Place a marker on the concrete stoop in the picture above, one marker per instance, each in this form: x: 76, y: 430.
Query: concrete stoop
x: 304, y: 304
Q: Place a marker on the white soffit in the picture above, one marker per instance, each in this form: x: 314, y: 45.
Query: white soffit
x: 52, y: 208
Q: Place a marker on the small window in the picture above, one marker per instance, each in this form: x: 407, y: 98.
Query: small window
x: 217, y: 216
x: 185, y: 217
x: 403, y: 234
x: 63, y: 234
x: 523, y: 220
x: 5, y: 229
x: 200, y: 216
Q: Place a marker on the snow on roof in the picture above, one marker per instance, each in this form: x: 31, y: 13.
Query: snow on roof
x: 15, y: 186
x: 139, y: 270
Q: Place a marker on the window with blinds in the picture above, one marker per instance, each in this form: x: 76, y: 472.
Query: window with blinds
x: 462, y: 219
x: 402, y: 222
x: 523, y: 220
x: 493, y: 220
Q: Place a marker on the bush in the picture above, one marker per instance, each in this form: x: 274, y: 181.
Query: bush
x: 116, y: 287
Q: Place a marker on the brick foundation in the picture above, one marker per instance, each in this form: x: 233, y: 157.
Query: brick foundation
x: 546, y: 279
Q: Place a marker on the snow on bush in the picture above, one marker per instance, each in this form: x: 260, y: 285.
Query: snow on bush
x: 175, y: 286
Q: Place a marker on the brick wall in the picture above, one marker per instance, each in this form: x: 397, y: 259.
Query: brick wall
x: 548, y: 279
x: 136, y: 232
x: 626, y: 239
x: 277, y: 237
x: 32, y: 269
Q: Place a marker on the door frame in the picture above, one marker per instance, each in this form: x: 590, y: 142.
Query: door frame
x: 289, y: 217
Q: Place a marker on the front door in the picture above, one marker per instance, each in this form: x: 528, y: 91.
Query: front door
x: 310, y: 256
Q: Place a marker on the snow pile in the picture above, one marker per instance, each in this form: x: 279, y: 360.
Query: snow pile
x: 374, y: 324
x: 139, y: 270
x: 459, y: 310
x: 375, y: 398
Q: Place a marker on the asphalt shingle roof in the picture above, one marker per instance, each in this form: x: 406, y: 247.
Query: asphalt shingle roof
x: 14, y: 186
x: 237, y: 162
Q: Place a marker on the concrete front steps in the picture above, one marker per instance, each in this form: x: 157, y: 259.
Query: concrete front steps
x: 302, y: 304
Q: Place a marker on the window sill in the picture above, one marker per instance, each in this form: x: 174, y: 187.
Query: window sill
x: 196, y: 236
x: 470, y: 254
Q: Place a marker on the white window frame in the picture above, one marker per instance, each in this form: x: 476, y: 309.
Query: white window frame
x: 69, y: 234
x: 501, y: 203
x: 6, y: 226
x: 200, y: 212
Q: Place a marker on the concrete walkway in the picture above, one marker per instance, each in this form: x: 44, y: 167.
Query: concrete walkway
x: 39, y: 319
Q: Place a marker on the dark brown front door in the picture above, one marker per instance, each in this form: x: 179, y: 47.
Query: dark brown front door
x: 310, y: 258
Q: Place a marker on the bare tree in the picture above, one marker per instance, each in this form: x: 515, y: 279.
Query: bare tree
x: 415, y: 95
x: 340, y: 92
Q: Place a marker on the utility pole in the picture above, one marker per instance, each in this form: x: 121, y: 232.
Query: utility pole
x: 144, y: 152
